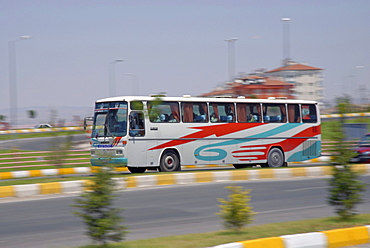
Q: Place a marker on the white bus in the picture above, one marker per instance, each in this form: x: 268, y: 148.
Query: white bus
x: 165, y: 133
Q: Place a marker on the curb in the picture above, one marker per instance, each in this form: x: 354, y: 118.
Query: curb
x: 333, y: 238
x: 161, y: 179
x: 82, y: 170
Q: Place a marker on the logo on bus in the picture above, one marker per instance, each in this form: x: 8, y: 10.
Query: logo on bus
x: 96, y: 143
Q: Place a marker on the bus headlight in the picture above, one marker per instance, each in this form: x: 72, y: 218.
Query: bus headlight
x: 119, y: 152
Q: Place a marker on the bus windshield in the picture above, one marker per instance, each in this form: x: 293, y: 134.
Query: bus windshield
x: 110, y: 120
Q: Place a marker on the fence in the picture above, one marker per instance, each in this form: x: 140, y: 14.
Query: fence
x: 44, y: 159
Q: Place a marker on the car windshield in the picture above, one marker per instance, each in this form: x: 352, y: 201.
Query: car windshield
x: 110, y: 120
x: 365, y: 140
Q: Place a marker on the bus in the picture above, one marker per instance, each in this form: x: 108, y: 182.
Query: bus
x: 164, y: 133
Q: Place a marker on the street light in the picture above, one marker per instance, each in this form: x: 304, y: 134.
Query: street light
x: 13, y: 79
x: 286, y: 40
x: 231, y: 55
x: 112, y: 76
x: 358, y: 81
x: 135, y: 83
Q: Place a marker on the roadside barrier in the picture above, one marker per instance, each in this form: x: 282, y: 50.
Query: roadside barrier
x: 41, y: 130
x: 16, y: 160
x: 325, y: 239
x: 160, y: 179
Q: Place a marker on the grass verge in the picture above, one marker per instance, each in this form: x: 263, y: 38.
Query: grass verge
x: 201, y: 240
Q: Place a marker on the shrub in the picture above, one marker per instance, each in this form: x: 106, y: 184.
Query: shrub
x: 102, y: 220
x: 236, y: 212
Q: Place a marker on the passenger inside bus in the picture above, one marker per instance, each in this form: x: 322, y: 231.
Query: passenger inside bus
x: 252, y: 118
x: 214, y: 117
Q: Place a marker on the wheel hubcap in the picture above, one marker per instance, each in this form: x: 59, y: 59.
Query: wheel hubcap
x: 169, y: 162
x: 275, y: 159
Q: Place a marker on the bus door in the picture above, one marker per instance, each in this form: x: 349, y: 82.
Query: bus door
x: 137, y: 144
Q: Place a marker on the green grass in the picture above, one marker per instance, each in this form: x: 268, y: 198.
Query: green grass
x: 201, y: 240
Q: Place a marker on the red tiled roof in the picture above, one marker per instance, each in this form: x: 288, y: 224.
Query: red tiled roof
x: 295, y: 67
x: 219, y: 92
x: 252, y: 77
x: 275, y: 82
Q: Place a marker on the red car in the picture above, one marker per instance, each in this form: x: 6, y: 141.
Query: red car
x: 362, y: 151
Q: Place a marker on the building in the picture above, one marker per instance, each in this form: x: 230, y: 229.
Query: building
x: 254, y: 87
x: 292, y: 81
x: 307, y: 80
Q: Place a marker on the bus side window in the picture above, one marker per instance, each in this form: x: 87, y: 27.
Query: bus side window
x: 293, y: 113
x: 248, y: 112
x: 164, y: 112
x: 274, y: 112
x: 137, y: 128
x: 222, y: 112
x: 194, y: 112
x: 309, y: 113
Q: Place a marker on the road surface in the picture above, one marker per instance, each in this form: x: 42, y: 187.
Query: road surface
x: 163, y: 211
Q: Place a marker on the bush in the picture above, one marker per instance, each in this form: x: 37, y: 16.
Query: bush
x: 236, y: 212
x: 102, y: 220
x: 345, y: 191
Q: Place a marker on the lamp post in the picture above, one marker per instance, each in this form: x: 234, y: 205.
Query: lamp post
x: 112, y: 76
x: 13, y: 79
x: 231, y: 57
x: 135, y: 83
x: 358, y: 82
x: 286, y: 40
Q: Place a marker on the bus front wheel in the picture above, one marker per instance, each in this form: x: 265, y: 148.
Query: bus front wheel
x: 170, y: 161
x: 275, y: 158
x: 136, y: 169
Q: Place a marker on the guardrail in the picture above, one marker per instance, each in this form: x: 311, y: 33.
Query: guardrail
x: 347, y: 115
x: 329, y: 148
x: 41, y: 130
x: 18, y: 160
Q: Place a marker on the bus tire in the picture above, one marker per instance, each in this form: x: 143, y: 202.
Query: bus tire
x: 136, y: 169
x: 170, y: 161
x: 275, y: 158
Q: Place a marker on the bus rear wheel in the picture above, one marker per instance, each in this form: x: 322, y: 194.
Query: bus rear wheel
x: 136, y: 169
x: 275, y: 158
x: 170, y: 161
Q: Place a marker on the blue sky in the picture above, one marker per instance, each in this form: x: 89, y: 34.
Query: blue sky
x: 173, y: 46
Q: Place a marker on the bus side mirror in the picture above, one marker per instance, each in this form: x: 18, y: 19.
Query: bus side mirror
x: 86, y: 119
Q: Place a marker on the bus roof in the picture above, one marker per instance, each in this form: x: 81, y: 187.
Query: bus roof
x: 201, y: 99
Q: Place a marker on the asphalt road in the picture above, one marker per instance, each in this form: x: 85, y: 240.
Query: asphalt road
x: 40, y: 144
x: 163, y: 211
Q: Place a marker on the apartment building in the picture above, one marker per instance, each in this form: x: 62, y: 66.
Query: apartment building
x: 307, y: 80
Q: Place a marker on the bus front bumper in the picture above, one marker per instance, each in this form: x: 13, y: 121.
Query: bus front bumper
x: 116, y: 162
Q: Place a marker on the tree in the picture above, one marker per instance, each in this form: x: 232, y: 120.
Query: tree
x: 345, y: 188
x: 236, y: 212
x: 32, y: 114
x: 60, y: 147
x: 100, y: 217
x: 344, y: 104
